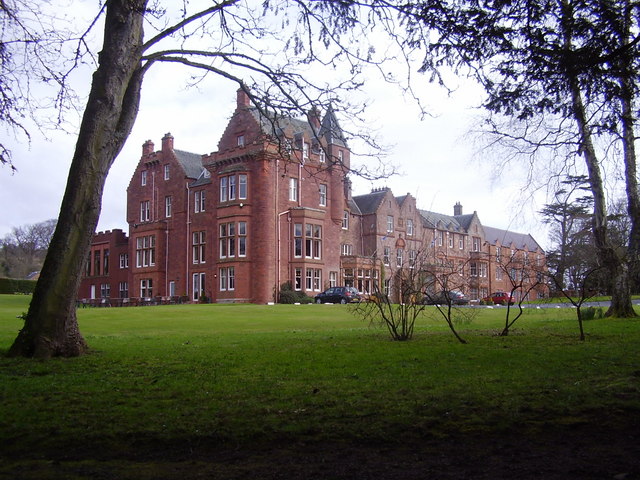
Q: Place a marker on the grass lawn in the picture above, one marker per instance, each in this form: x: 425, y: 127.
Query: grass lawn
x: 237, y: 376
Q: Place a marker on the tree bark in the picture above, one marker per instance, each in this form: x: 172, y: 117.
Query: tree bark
x: 51, y: 327
x: 614, y: 265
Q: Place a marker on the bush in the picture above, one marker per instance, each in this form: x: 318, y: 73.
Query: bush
x: 12, y: 285
x: 590, y: 313
x: 290, y: 296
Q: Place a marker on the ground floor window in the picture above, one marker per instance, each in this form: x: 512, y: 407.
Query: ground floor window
x: 333, y: 279
x: 297, y: 282
x: 105, y: 290
x: 146, y: 288
x: 227, y: 277
x: 387, y: 287
x: 123, y: 289
x: 198, y: 285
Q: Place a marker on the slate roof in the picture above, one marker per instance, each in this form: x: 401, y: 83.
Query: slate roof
x: 370, y: 202
x: 447, y: 222
x: 506, y: 237
x: 191, y: 163
x: 330, y: 129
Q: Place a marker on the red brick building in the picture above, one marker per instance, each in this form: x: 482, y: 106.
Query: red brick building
x: 272, y: 205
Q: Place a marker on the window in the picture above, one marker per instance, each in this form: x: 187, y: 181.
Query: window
x: 96, y: 262
x: 242, y: 239
x: 340, y: 157
x: 145, y: 211
x: 146, y: 251
x: 450, y: 236
x: 498, y: 273
x: 387, y: 286
x: 498, y: 254
x: 439, y: 238
x: 482, y: 272
x: 166, y: 172
x: 172, y: 288
x: 297, y: 240
x: 227, y: 240
x: 409, y: 226
x: 322, y: 156
x: 198, y: 285
x: 313, y: 241
x: 242, y: 186
x: 323, y: 195
x: 305, y: 151
x: 309, y: 279
x: 399, y: 257
x: 232, y: 187
x: 525, y: 260
x: 124, y: 260
x: 223, y: 189
x: 412, y: 258
x: 297, y: 285
x: 146, y: 288
x: 199, y: 247
x: 387, y: 254
x: 227, y: 278
x: 123, y: 289
x: 293, y: 189
x: 346, y: 249
x: 333, y: 279
x: 476, y: 244
x: 199, y: 202
x: 105, y: 264
x: 317, y: 279
x: 240, y: 140
x: 389, y: 223
x: 143, y: 178
x: 345, y: 220
x: 460, y: 242
x: 105, y: 290
x: 473, y: 269
x: 167, y: 206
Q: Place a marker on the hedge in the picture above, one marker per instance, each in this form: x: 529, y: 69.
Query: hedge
x: 12, y: 285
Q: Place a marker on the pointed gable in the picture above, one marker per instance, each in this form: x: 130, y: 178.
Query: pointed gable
x: 330, y: 129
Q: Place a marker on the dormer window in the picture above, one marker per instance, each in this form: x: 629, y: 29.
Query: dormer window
x: 241, y: 140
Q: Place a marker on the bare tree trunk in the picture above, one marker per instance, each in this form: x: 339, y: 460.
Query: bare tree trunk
x: 609, y: 259
x: 51, y: 327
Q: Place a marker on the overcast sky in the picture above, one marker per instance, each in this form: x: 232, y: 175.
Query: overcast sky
x: 437, y: 163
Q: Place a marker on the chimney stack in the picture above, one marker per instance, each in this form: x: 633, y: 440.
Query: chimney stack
x: 147, y: 148
x: 167, y: 142
x: 242, y: 99
x: 457, y: 209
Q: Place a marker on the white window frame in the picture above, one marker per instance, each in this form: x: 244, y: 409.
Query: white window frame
x: 143, y: 178
x: 167, y: 206
x: 242, y: 186
x: 293, y: 189
x: 167, y: 174
x: 322, y: 190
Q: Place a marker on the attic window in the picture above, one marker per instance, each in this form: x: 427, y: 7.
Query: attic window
x: 241, y: 140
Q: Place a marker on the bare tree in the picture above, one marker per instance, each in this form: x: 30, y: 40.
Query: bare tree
x: 524, y: 277
x: 24, y: 249
x: 409, y: 282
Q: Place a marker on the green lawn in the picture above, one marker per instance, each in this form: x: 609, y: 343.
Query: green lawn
x: 238, y: 374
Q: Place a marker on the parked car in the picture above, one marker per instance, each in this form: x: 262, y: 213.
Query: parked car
x: 500, y: 298
x: 338, y: 295
x: 455, y: 297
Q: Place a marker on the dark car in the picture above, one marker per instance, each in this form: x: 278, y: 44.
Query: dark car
x: 445, y: 297
x: 338, y: 295
x: 499, y: 298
